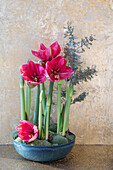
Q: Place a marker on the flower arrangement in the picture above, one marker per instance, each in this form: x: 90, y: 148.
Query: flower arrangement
x: 53, y: 68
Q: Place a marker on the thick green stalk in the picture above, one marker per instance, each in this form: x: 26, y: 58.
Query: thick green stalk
x: 44, y: 100
x: 58, y: 106
x: 28, y: 101
x: 51, y: 84
x: 47, y: 122
x: 50, y: 92
x: 40, y: 115
x: 67, y: 98
x: 47, y: 116
x: 22, y: 99
x: 62, y: 117
x: 67, y: 111
x: 36, y: 111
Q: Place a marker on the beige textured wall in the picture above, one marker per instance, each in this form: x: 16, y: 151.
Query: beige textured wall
x: 24, y: 25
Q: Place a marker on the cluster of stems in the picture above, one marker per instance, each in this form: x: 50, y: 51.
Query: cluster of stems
x: 43, y: 107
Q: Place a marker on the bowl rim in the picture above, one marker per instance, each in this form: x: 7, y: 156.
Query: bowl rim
x: 43, y: 147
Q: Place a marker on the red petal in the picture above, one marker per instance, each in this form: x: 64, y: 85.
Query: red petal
x: 68, y: 72
x: 33, y: 138
x: 32, y: 67
x: 25, y: 126
x: 36, y: 53
x: 42, y: 46
x: 49, y: 66
x: 55, y: 49
x: 26, y: 122
x: 59, y: 63
x: 24, y: 137
x: 24, y: 70
x: 47, y: 53
x: 40, y: 69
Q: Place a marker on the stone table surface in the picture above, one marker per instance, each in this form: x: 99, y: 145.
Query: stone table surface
x: 82, y: 157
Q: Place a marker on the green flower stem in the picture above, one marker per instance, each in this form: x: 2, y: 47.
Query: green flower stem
x: 44, y: 100
x: 58, y: 106
x: 51, y: 84
x: 47, y: 122
x: 40, y: 115
x: 22, y: 99
x: 67, y: 111
x: 50, y: 92
x: 48, y: 113
x: 62, y: 117
x: 28, y: 101
x: 67, y: 98
x: 36, y: 111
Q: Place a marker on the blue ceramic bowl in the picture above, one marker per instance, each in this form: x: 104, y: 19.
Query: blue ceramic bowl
x: 44, y: 153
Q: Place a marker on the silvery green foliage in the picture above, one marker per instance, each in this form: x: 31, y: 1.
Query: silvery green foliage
x: 72, y: 53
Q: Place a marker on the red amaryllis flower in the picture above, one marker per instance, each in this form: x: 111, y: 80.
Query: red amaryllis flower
x: 47, y: 54
x: 33, y: 73
x: 57, y: 69
x: 27, y: 131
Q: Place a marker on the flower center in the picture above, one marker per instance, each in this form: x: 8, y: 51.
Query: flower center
x: 57, y: 77
x: 36, y: 79
x: 56, y: 74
